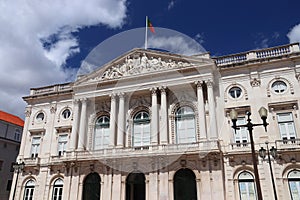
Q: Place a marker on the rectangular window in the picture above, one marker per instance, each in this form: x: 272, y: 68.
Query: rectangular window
x: 286, y: 126
x: 35, y: 146
x: 1, y: 164
x: 241, y: 135
x: 28, y: 193
x: 62, y: 144
x: 8, y: 186
x: 17, y: 136
x: 57, y: 192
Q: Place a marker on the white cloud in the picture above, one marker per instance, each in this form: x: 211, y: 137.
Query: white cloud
x: 294, y: 34
x: 25, y: 62
x: 171, y: 4
x: 175, y: 44
x: 200, y: 38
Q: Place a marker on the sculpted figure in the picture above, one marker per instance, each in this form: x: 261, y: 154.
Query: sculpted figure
x: 115, y: 72
x: 106, y: 74
x: 154, y: 63
x: 144, y: 61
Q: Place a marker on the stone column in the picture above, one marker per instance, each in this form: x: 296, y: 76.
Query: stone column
x: 74, y: 133
x: 25, y: 130
x: 164, y: 117
x: 112, y: 122
x: 82, y: 128
x: 121, y: 120
x: 201, y: 111
x: 154, y: 118
x: 116, y: 186
x: 212, y: 112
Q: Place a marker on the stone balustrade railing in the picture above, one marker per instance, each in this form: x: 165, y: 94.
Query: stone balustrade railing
x: 51, y: 89
x: 171, y: 149
x: 257, y: 54
x: 288, y: 144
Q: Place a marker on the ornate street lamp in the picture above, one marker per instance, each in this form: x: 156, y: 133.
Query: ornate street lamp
x: 262, y: 153
x: 263, y: 112
x: 18, y: 167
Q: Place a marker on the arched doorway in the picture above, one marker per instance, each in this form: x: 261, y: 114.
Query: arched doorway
x: 135, y: 187
x: 185, y: 185
x: 91, y: 187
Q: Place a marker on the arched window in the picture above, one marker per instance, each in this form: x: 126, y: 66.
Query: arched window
x: 294, y: 184
x: 185, y: 185
x: 91, y: 187
x: 135, y: 187
x: 141, y: 129
x: 101, y: 135
x: 185, y: 125
x: 57, y: 189
x: 246, y: 186
x: 29, y: 189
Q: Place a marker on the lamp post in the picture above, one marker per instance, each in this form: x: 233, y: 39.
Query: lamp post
x: 262, y: 154
x: 18, y: 167
x: 249, y: 125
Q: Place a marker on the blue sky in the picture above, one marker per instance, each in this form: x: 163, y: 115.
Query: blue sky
x: 44, y: 42
x: 222, y: 27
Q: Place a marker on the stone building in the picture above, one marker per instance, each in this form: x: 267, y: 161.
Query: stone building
x: 11, y: 128
x: 154, y: 125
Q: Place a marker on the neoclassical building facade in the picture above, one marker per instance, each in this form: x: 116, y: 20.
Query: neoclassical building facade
x: 152, y: 125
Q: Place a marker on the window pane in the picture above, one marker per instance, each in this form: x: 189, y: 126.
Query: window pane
x: 246, y: 186
x: 141, y: 129
x: 101, y: 133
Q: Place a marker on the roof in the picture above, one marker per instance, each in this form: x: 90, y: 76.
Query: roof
x: 4, y: 116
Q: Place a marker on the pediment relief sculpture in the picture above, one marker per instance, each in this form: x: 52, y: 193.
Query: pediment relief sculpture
x: 138, y: 64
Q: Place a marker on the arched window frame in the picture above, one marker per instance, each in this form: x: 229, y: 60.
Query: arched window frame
x: 294, y: 183
x: 246, y: 186
x: 185, y: 117
x: 29, y: 187
x: 145, y: 131
x: 102, y: 123
x: 57, y: 189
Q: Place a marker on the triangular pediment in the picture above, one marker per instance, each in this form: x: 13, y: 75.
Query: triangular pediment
x: 139, y: 62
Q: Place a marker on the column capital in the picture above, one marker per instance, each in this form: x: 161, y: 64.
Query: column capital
x: 153, y: 90
x: 76, y: 101
x: 163, y: 89
x: 84, y: 100
x: 199, y: 84
x: 113, y: 96
x: 209, y: 83
x: 121, y: 95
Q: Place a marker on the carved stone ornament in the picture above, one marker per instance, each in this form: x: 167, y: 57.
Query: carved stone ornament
x: 139, y: 64
x: 255, y: 82
x: 28, y: 112
x: 297, y: 76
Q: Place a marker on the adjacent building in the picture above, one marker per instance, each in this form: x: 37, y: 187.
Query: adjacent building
x: 11, y: 128
x: 156, y: 126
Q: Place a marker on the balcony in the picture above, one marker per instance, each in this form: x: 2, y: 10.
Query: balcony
x: 145, y: 151
x: 33, y: 161
x: 255, y: 55
x: 288, y: 144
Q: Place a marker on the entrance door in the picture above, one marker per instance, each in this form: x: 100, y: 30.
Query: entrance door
x: 135, y: 187
x: 185, y: 185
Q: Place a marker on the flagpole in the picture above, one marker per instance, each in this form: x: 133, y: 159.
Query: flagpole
x: 146, y: 34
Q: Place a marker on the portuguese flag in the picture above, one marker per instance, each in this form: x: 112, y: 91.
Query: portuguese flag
x: 150, y: 26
